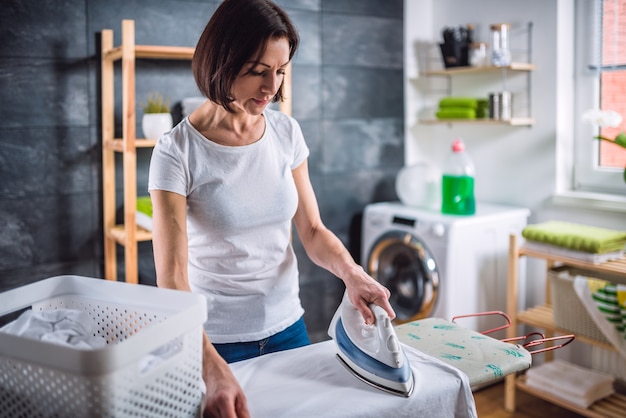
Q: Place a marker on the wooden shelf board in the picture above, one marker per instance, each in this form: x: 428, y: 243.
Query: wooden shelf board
x: 610, y: 407
x: 164, y: 52
x: 512, y: 122
x: 145, y: 143
x: 541, y: 317
x: 538, y: 316
x: 613, y: 266
x: 118, y: 144
x: 515, y: 66
x: 153, y: 52
x: 118, y: 233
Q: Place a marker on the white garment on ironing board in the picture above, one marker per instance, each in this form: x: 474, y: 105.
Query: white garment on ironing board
x: 240, y: 205
x: 310, y: 382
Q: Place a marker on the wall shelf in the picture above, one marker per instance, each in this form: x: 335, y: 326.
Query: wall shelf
x: 523, y: 66
x: 514, y: 66
x: 517, y: 67
x: 541, y: 317
x: 512, y: 122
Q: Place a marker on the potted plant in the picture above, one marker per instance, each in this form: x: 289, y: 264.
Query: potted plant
x: 157, y: 118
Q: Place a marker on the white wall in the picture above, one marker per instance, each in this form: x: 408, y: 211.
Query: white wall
x: 514, y: 165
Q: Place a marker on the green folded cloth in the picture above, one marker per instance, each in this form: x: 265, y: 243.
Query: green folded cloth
x: 577, y: 237
x: 482, y: 109
x: 459, y: 102
x: 456, y: 113
x: 144, y: 205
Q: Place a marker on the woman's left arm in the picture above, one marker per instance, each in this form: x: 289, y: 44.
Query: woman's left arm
x: 327, y: 251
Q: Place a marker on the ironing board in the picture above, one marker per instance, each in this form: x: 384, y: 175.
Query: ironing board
x: 482, y: 358
x: 310, y: 382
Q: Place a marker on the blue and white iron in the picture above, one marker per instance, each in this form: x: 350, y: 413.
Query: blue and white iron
x: 371, y: 352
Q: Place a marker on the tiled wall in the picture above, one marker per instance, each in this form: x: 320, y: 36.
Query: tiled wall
x: 347, y: 96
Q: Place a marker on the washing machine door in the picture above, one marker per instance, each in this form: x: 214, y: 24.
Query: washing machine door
x: 404, y: 264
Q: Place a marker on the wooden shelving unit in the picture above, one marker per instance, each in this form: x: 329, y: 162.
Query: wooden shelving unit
x: 541, y: 317
x: 129, y: 234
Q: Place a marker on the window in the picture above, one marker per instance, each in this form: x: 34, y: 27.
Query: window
x: 600, y: 83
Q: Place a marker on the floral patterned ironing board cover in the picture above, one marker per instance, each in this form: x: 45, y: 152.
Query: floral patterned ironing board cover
x: 482, y: 358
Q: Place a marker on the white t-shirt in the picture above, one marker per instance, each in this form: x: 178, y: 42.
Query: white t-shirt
x: 240, y: 205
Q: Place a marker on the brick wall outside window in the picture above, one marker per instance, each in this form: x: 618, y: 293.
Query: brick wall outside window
x: 613, y: 83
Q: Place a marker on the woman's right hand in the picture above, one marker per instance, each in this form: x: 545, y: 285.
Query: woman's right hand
x: 224, y: 397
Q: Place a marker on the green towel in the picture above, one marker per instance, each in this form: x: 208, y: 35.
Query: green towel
x: 456, y: 113
x: 459, y: 102
x: 144, y: 205
x: 577, y: 237
x: 482, y: 111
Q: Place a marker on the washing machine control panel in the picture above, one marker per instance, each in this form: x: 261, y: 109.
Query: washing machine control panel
x: 401, y: 220
x: 434, y: 229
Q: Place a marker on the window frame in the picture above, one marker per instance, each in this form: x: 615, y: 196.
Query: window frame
x: 587, y: 175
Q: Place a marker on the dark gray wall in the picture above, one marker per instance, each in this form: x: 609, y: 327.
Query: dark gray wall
x: 347, y: 96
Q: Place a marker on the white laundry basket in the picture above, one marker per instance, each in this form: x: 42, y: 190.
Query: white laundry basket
x: 150, y: 367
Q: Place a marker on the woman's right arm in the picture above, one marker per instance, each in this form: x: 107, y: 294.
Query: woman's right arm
x: 224, y: 397
x: 169, y: 239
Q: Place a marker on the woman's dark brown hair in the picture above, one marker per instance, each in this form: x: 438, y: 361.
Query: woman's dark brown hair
x: 236, y: 34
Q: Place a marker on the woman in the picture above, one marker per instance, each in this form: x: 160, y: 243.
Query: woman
x: 226, y: 184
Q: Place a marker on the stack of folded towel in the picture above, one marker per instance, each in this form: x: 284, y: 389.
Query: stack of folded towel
x: 575, y: 384
x: 588, y: 243
x: 462, y: 108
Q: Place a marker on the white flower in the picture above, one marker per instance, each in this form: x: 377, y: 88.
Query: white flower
x: 603, y: 118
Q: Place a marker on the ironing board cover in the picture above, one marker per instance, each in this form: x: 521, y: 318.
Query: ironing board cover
x: 482, y: 358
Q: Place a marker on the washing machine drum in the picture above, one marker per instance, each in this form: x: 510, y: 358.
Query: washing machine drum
x: 405, y: 265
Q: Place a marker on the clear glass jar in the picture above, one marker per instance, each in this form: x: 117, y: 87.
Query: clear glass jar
x: 478, y: 54
x: 500, y: 53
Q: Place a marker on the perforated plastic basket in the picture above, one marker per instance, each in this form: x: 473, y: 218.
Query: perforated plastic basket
x: 151, y: 366
x: 569, y: 312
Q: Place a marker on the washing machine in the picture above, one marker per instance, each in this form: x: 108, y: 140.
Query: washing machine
x: 438, y: 265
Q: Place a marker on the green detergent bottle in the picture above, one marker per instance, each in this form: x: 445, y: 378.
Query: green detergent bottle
x: 457, y: 184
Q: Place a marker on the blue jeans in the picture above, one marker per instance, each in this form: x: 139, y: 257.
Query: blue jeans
x: 293, y: 337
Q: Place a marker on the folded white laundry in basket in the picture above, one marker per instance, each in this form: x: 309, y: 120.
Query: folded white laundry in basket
x: 69, y: 327
x: 573, y: 383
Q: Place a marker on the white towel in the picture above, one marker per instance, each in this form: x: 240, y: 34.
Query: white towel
x: 69, y: 327
x: 570, y: 382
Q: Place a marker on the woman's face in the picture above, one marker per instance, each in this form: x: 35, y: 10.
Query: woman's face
x: 258, y: 83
